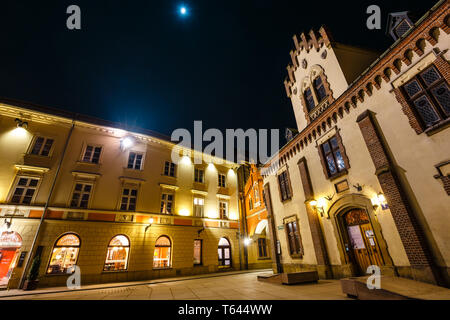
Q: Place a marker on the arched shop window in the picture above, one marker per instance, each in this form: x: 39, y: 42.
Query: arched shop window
x: 224, y: 251
x: 161, y: 256
x: 64, y: 254
x: 117, y: 254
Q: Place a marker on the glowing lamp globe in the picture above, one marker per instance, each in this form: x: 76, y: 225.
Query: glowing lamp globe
x: 127, y: 142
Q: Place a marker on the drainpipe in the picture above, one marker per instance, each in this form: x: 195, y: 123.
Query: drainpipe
x: 47, y: 203
x: 244, y: 227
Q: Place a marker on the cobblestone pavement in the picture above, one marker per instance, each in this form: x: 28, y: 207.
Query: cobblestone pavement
x: 227, y: 287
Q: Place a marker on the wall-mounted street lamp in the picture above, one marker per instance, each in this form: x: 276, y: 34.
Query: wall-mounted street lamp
x: 150, y: 224
x: 200, y: 231
x: 21, y: 124
x: 319, y: 205
x: 247, y: 241
x: 127, y: 142
x: 379, y: 200
x: 21, y: 128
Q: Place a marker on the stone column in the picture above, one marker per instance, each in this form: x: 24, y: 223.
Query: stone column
x: 411, y: 233
x: 323, y: 264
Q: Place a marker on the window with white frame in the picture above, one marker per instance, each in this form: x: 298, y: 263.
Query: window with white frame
x: 256, y: 191
x: 199, y: 204
x: 169, y: 169
x: 92, y: 154
x: 166, y: 203
x: 222, y: 180
x: 24, y: 190
x: 129, y: 197
x: 42, y: 146
x: 223, y: 209
x: 135, y: 160
x: 199, y: 175
x: 81, y: 195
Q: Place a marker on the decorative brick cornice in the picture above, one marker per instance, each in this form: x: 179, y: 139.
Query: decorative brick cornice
x: 412, y: 43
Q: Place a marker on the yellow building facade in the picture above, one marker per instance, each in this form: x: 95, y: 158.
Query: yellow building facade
x: 366, y: 180
x: 115, y: 203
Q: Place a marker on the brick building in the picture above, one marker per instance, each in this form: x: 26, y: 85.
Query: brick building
x: 366, y: 179
x: 115, y: 203
x: 255, y: 228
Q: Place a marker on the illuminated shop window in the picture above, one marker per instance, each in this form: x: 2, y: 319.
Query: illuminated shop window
x: 64, y: 254
x: 24, y: 190
x: 161, y: 257
x: 117, y: 255
x: 197, y: 252
x: 42, y: 146
x: 199, y: 204
x: 135, y: 161
x: 224, y: 252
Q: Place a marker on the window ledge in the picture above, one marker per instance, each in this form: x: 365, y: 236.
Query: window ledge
x: 438, y: 127
x: 38, y: 156
x: 57, y: 274
x: 338, y: 175
x: 132, y: 169
x: 286, y: 200
x: 321, y: 107
x: 296, y: 256
x: 88, y: 163
x: 114, y: 271
x: 165, y: 175
x: 168, y: 268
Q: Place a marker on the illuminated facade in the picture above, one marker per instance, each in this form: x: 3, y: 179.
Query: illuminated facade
x: 116, y: 206
x: 254, y: 214
x: 366, y: 180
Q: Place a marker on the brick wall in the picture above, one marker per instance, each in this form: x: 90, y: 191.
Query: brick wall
x: 407, y: 225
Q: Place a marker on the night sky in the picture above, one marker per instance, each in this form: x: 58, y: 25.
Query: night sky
x: 141, y: 63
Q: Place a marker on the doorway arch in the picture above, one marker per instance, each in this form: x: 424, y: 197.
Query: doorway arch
x: 356, y: 211
x: 224, y: 252
x: 10, y: 244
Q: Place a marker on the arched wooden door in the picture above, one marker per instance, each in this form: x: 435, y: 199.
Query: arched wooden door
x: 362, y: 241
